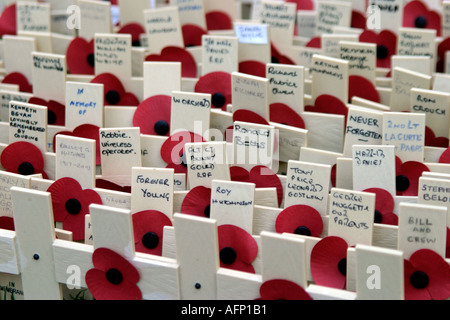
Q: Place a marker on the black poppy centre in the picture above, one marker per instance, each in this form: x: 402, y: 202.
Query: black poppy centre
x: 419, y: 280
x: 112, y: 97
x: 161, y: 127
x: 228, y: 255
x: 150, y: 240
x: 402, y: 183
x: 382, y: 52
x: 303, y: 231
x: 218, y: 100
x: 378, y: 217
x: 114, y: 276
x: 73, y: 206
x: 342, y: 266
x: 207, y: 211
x: 25, y: 169
x: 90, y: 59
x: 421, y: 22
x: 51, y: 117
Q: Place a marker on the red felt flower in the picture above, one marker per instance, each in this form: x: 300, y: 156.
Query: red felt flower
x: 172, y: 150
x: 443, y: 47
x: 329, y: 262
x: 407, y: 177
x: 23, y: 158
x: 244, y: 115
x: 300, y: 219
x: 218, y: 20
x: 7, y: 223
x: 432, y: 141
x: 80, y: 56
x: 109, y: 185
x: 148, y: 227
x: 261, y: 176
x: 197, y: 202
x: 8, y: 24
x: 279, y: 289
x: 135, y: 30
x: 56, y: 111
x: 417, y: 15
x: 218, y: 84
x: 254, y: 68
x: 152, y: 116
x: 20, y: 80
x: 86, y: 131
x: 114, y: 91
x: 386, y: 42
x: 384, y: 207
x: 427, y: 276
x: 71, y: 203
x: 113, y: 277
x: 278, y: 57
x: 361, y: 87
x: 192, y: 35
x: 326, y: 103
x: 281, y: 113
x: 237, y: 248
x: 445, y: 156
x: 176, y: 54
x: 359, y: 20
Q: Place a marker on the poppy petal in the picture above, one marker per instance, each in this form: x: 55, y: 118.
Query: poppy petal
x: 264, y: 177
x: 114, y: 91
x: 108, y: 185
x: 61, y: 191
x: 413, y: 171
x: 326, y: 256
x: 148, y: 227
x: 244, y: 115
x: 254, y: 68
x: 314, y: 42
x: 363, y: 88
x: 432, y: 141
x: 358, y: 20
x: 18, y: 153
x: 56, y: 111
x: 218, y: 84
x: 152, y: 116
x: 326, y: 103
x: 218, y: 20
x: 8, y: 21
x: 417, y: 15
x: 176, y: 54
x: 135, y: 30
x: 7, y: 223
x: 300, y: 219
x: 277, y: 57
x: 279, y: 289
x: 281, y: 113
x: 239, y: 174
x: 197, y: 202
x: 437, y: 269
x: 80, y: 56
x: 303, y: 4
x: 20, y: 80
x: 445, y: 156
x: 384, y: 201
x: 173, y: 148
x: 412, y: 293
x: 192, y: 35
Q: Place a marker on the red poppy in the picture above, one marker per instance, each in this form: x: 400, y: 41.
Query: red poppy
x: 113, y: 277
x: 114, y: 91
x: 329, y: 262
x: 384, y: 207
x: 333, y: 175
x: 8, y: 18
x: 71, y: 203
x: 218, y: 20
x: 86, y: 131
x: 23, y: 158
x: 445, y: 156
x: 7, y: 223
x: 148, y: 227
x: 300, y: 219
x: 197, y: 202
x: 314, y: 42
x: 447, y: 246
x: 361, y: 87
x: 109, y: 185
x: 432, y: 141
x: 279, y: 289
x: 80, y: 56
x: 152, y: 116
x: 278, y: 57
x: 135, y: 30
x: 244, y: 115
x: 329, y: 104
x: 427, y: 276
x: 254, y: 68
x: 386, y: 42
x: 237, y: 248
x: 359, y: 20
x: 176, y: 54
x: 261, y: 176
x: 192, y: 35
x: 303, y: 4
x: 218, y: 84
x: 172, y: 150
x: 407, y: 177
x: 417, y: 15
x: 56, y: 111
x: 20, y: 80
x: 443, y: 47
x: 282, y: 113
